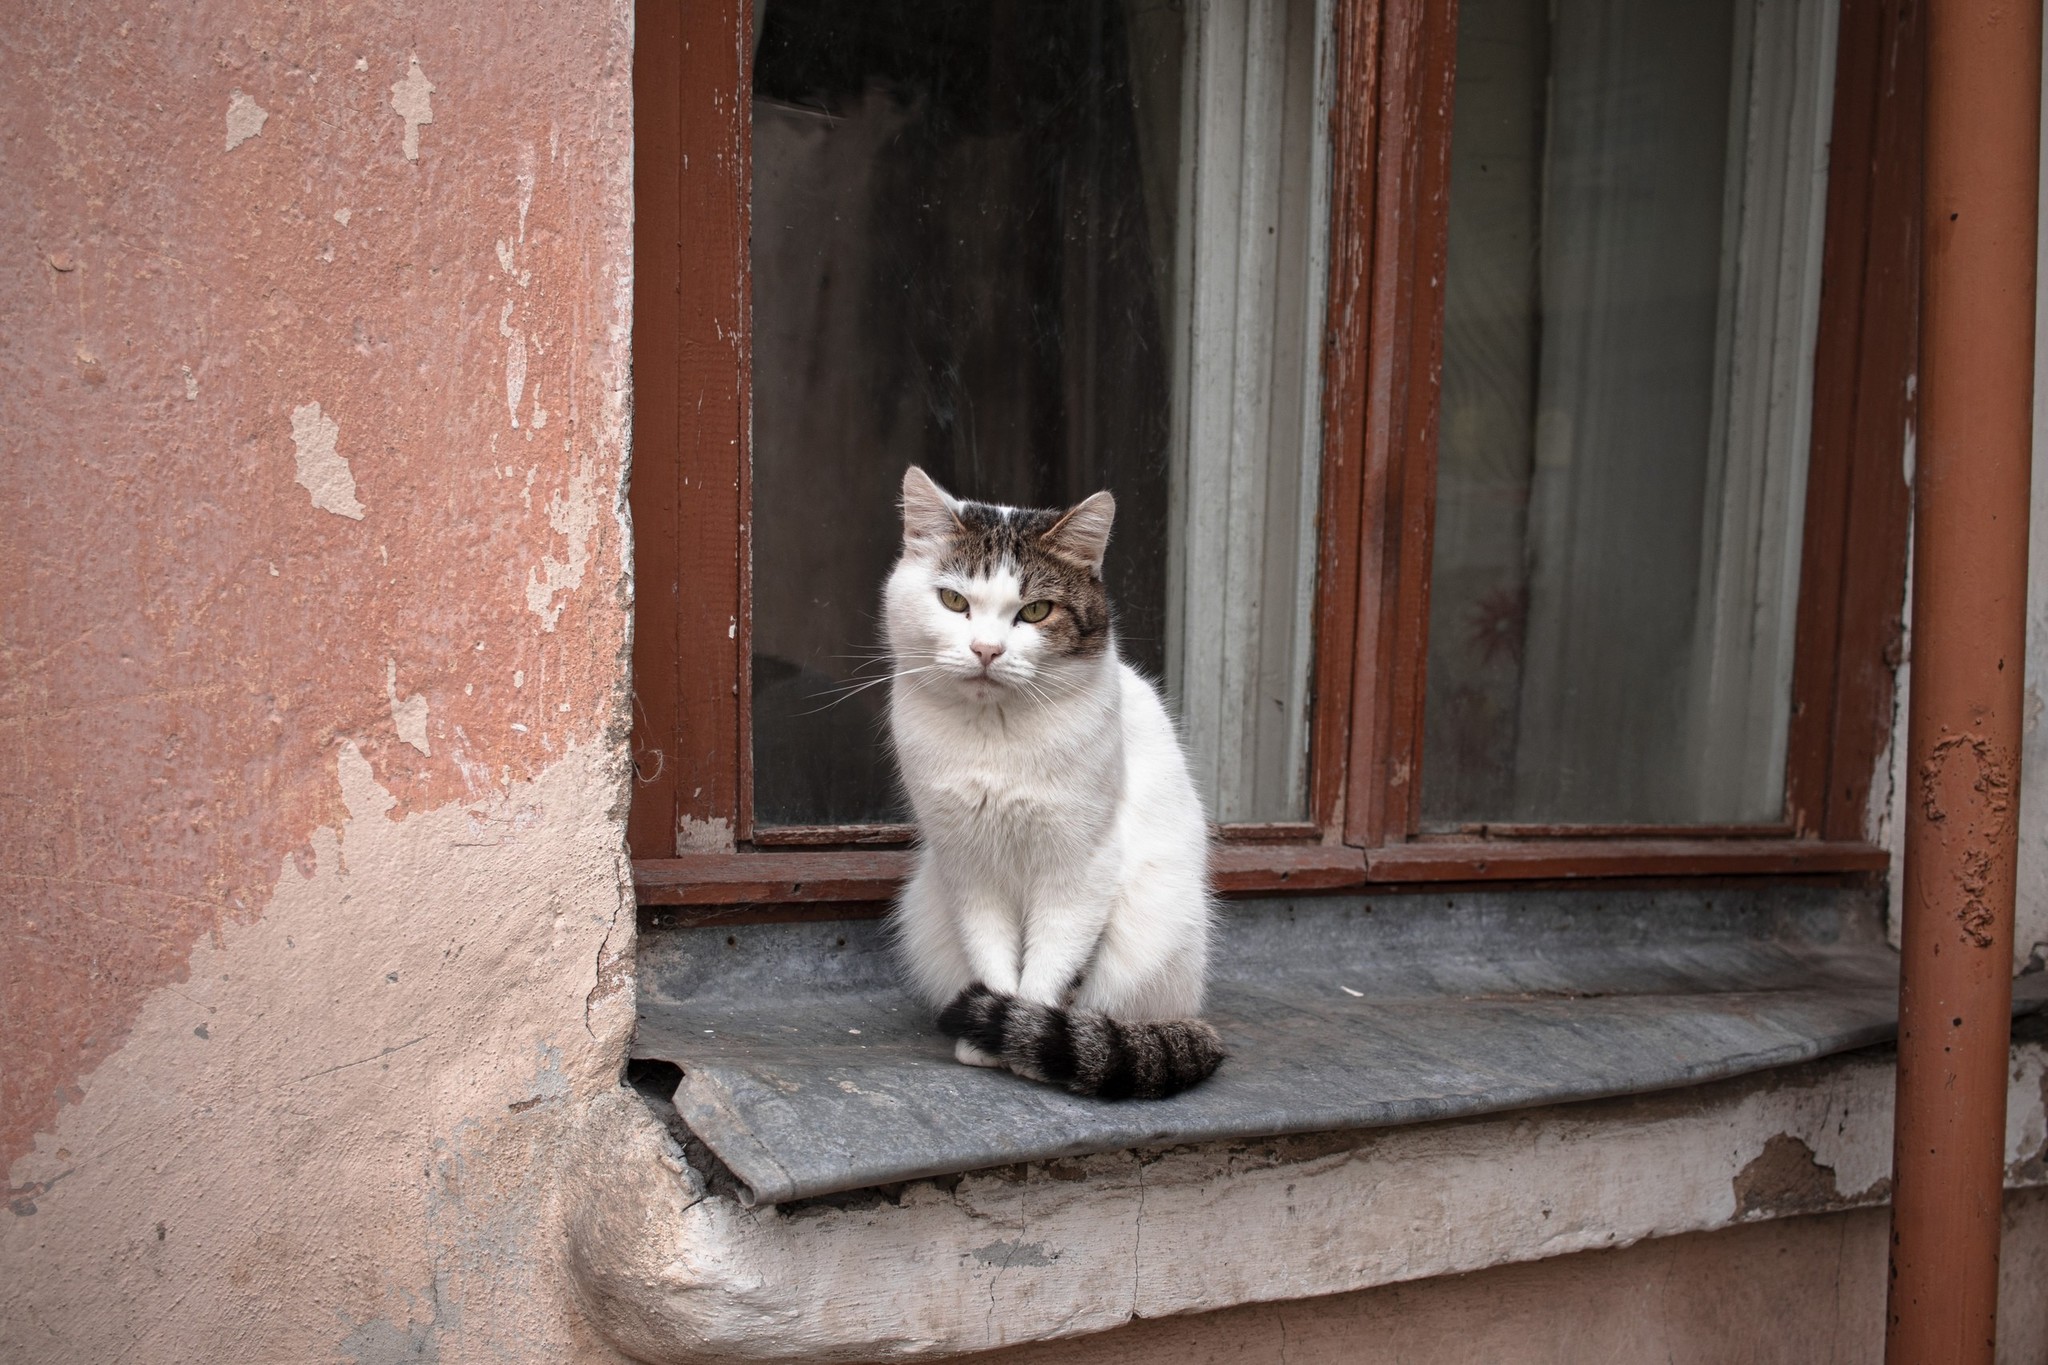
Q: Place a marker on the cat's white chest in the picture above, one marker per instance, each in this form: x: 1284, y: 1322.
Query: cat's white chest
x: 1000, y: 799
x: 1007, y: 794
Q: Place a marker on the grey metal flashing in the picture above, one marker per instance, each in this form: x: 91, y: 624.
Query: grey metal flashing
x: 808, y: 1071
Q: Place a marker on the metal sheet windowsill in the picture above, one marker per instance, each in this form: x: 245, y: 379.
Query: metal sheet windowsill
x: 807, y: 1071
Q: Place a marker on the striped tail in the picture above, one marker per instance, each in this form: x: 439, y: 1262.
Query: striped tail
x: 1088, y: 1053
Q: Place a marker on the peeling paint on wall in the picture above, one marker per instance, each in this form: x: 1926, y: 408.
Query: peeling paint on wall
x: 237, y: 1114
x: 245, y: 119
x: 515, y: 362
x: 321, y: 469
x: 1787, y: 1178
x: 412, y: 100
x: 573, y: 514
x: 704, y: 836
x: 410, y: 715
x: 336, y: 1138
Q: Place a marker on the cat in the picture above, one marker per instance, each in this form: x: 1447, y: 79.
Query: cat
x: 1059, y: 909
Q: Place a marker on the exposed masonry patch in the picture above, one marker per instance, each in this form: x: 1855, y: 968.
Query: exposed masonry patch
x: 410, y: 715
x: 322, y: 470
x: 1787, y: 1178
x: 412, y: 100
x: 245, y: 119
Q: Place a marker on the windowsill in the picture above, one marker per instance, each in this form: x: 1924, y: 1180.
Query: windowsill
x: 808, y: 1071
x: 868, y: 875
x: 1152, y: 1220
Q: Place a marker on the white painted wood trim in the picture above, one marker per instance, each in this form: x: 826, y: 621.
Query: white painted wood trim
x: 1061, y: 1249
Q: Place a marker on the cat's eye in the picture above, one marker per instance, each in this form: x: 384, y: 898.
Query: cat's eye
x: 953, y: 600
x: 1034, y: 612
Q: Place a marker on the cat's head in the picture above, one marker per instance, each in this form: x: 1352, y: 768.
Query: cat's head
x: 987, y: 600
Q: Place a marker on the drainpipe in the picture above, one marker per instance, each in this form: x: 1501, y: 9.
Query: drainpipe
x: 1969, y: 637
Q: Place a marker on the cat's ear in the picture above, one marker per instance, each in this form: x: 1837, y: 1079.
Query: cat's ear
x: 1082, y: 535
x: 929, y: 512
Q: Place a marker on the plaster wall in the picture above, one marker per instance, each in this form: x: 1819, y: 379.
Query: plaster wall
x: 1798, y: 1291
x: 313, y: 615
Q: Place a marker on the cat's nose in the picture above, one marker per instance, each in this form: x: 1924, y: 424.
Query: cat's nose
x: 987, y: 651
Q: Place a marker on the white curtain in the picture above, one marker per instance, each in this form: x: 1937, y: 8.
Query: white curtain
x: 1247, y: 336
x: 1763, y: 405
x: 1680, y: 272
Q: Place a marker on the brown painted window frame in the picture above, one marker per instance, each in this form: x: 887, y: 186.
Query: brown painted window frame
x: 690, y: 823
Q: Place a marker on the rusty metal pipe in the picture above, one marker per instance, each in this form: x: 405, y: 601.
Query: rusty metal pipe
x: 1969, y: 639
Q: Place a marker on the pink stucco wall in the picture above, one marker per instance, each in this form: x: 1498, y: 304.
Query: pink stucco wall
x: 312, y: 683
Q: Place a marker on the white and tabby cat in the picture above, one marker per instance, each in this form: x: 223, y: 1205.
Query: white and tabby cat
x: 1060, y: 907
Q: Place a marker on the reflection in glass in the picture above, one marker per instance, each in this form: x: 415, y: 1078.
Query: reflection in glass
x: 1631, y: 300
x: 979, y: 243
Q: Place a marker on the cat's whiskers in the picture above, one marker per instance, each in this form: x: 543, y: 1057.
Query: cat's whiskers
x: 854, y: 689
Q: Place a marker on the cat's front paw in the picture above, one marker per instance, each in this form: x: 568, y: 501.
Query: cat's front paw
x: 968, y: 1053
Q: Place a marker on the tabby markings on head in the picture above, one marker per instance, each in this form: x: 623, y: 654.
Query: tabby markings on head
x: 991, y: 539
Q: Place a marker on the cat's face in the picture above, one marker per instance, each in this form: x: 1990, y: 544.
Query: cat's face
x: 990, y: 600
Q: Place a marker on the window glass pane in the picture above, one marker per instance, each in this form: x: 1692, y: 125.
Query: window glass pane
x: 1631, y: 299
x: 980, y: 244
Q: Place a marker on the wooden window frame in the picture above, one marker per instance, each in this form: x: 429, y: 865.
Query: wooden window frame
x: 690, y: 822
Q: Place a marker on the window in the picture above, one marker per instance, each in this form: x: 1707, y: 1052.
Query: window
x: 1504, y: 407
x: 1637, y: 198
x: 1039, y: 250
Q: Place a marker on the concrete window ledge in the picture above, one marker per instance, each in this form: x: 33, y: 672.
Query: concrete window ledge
x: 675, y: 1273
x: 1419, y: 1086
